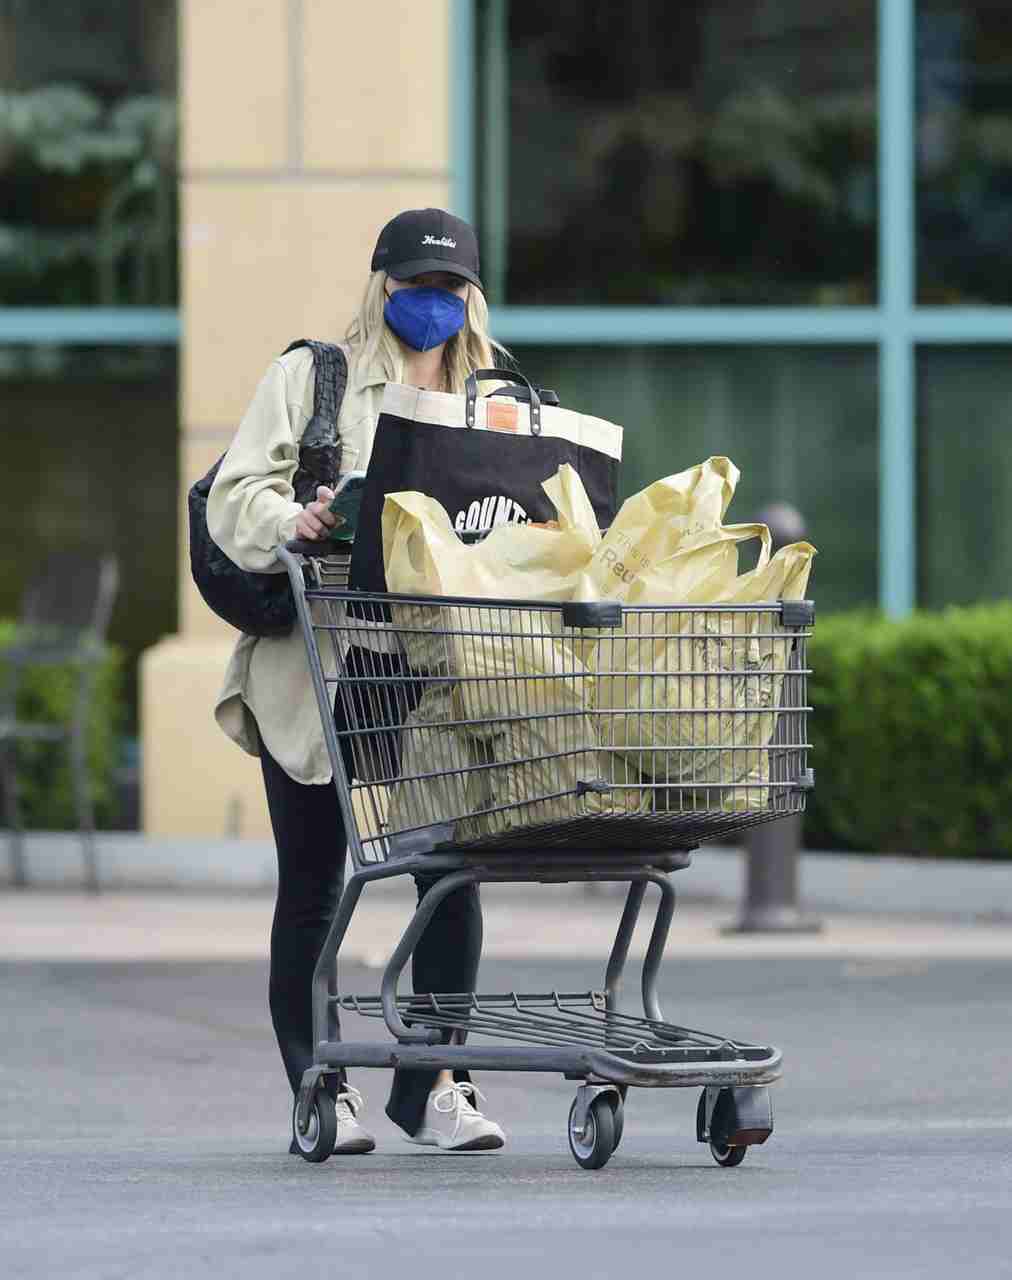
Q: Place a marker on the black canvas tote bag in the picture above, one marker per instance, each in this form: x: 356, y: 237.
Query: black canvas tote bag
x: 482, y: 457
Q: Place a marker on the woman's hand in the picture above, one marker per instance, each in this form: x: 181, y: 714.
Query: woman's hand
x: 316, y: 520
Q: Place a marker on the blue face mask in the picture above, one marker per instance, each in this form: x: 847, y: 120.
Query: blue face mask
x: 424, y: 317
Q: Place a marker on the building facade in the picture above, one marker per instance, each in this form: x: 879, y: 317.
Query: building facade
x: 772, y: 230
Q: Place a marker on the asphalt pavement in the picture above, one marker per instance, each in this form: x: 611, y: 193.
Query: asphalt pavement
x: 144, y: 1118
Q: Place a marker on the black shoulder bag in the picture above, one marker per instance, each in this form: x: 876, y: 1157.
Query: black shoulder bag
x: 261, y: 604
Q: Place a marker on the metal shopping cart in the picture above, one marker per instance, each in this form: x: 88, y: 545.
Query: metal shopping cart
x: 497, y: 741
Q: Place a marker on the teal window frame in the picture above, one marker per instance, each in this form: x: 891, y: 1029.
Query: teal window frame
x: 90, y: 326
x: 896, y: 326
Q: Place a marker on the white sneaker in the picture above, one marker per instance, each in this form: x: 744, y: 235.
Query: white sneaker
x: 452, y: 1122
x: 352, y: 1139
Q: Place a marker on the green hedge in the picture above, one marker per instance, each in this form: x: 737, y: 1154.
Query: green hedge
x: 912, y: 733
x: 46, y: 694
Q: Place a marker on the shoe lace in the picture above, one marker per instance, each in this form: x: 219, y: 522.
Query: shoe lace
x: 458, y: 1095
x: 348, y: 1102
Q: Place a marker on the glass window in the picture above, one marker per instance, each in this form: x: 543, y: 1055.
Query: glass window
x: 91, y: 440
x: 799, y: 422
x: 705, y: 152
x: 964, y: 151
x: 965, y: 475
x: 88, y: 153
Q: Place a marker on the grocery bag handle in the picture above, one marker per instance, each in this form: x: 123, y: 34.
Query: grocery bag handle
x: 507, y: 375
x: 546, y: 396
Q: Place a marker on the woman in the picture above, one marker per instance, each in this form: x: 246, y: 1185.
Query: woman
x: 423, y: 321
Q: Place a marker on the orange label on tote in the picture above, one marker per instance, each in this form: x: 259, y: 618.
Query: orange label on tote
x: 500, y: 416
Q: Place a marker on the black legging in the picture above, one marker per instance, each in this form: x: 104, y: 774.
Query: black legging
x: 309, y: 834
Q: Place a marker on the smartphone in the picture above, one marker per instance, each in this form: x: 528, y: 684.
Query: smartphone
x: 345, y: 506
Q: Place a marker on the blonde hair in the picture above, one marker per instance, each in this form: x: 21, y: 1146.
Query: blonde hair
x: 374, y: 342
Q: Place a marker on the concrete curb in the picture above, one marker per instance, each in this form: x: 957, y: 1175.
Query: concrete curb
x: 951, y: 889
x: 131, y: 860
x: 876, y: 885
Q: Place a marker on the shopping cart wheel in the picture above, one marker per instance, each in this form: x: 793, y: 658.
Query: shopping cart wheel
x: 592, y: 1149
x: 618, y: 1116
x: 317, y: 1143
x: 726, y: 1155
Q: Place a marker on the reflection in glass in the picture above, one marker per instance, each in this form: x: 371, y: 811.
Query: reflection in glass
x: 90, y: 453
x: 965, y: 475
x: 696, y: 153
x: 964, y: 151
x: 799, y: 423
x: 87, y: 153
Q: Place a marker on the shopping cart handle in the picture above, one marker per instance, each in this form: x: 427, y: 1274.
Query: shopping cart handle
x: 318, y: 550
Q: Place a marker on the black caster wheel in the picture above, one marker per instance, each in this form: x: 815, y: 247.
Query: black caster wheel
x: 317, y: 1143
x: 592, y: 1149
x: 618, y: 1116
x: 727, y: 1157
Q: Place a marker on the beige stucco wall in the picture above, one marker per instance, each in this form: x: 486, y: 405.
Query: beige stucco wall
x: 306, y: 125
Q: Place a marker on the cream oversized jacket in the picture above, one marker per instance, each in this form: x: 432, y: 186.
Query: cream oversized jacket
x: 251, y: 509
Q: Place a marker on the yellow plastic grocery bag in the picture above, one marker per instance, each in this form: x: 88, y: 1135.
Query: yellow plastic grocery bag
x: 690, y: 699
x: 519, y: 710
x: 526, y: 696
x: 676, y: 709
x: 432, y: 789
x: 423, y: 554
x: 680, y: 516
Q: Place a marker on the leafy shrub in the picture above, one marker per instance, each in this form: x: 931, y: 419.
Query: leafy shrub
x: 46, y: 694
x: 912, y: 733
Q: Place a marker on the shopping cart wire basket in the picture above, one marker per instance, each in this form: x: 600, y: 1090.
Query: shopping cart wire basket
x: 493, y: 741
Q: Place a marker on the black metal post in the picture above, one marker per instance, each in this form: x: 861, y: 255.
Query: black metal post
x: 771, y: 888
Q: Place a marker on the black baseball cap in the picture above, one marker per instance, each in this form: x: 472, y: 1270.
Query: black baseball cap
x: 420, y: 240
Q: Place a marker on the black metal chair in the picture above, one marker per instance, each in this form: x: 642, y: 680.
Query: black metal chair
x: 65, y: 613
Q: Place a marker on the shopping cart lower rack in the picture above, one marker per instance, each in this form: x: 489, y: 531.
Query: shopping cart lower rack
x: 476, y: 741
